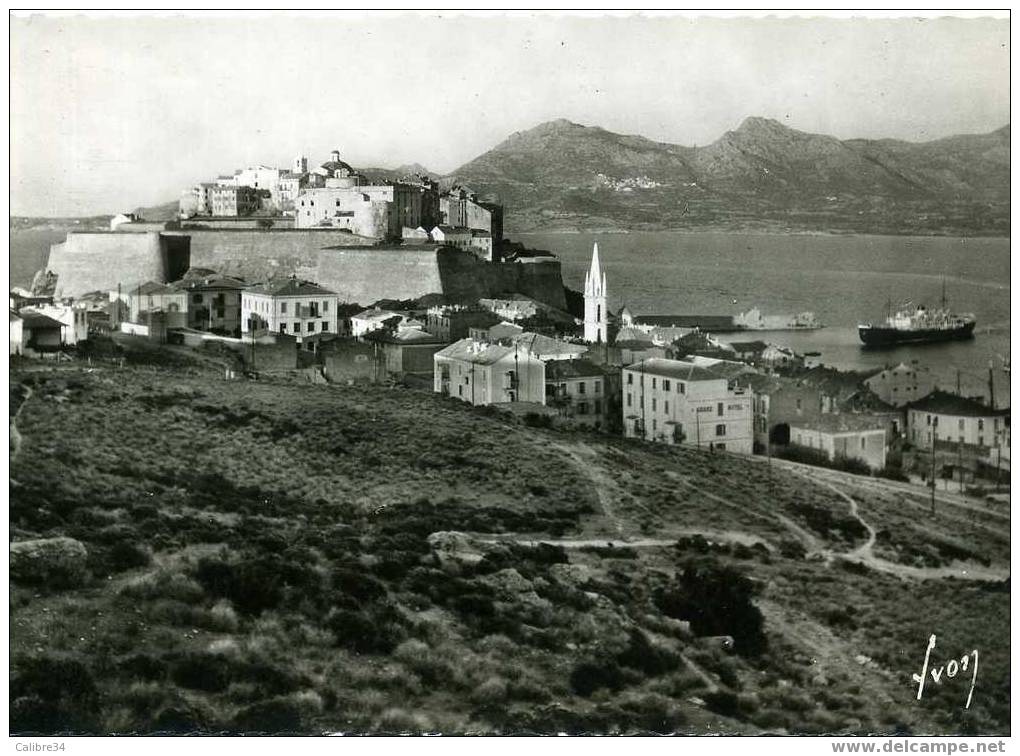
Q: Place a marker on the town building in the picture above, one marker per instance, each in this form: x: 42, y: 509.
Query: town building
x: 844, y: 437
x: 407, y: 352
x: 214, y: 302
x: 775, y: 357
x: 232, y: 200
x: 379, y: 212
x: 17, y: 333
x: 679, y: 402
x: 579, y: 389
x: 496, y: 333
x: 482, y: 373
x: 948, y: 418
x: 452, y: 236
x: 460, y: 207
x: 348, y: 361
x: 547, y: 348
x: 513, y: 309
x: 902, y: 384
x: 374, y: 319
x: 39, y: 334
x: 151, y: 297
x: 289, y: 306
x: 75, y: 327
x: 454, y: 322
x: 596, y: 315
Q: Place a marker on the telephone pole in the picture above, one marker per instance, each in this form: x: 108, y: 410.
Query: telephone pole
x: 991, y: 385
x: 934, y: 438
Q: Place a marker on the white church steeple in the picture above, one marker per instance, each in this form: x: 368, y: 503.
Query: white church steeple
x: 595, y: 315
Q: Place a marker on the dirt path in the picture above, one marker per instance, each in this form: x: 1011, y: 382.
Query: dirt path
x: 608, y: 492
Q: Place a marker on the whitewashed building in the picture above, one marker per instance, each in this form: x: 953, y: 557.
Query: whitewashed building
x: 290, y: 306
x: 678, y: 402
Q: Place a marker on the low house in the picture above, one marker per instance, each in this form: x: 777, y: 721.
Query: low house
x: 40, y: 333
x: 289, y: 306
x: 902, y: 384
x: 349, y: 361
x: 407, y: 351
x: 452, y: 236
x: 151, y: 297
x: 17, y: 333
x: 482, y: 373
x: 495, y: 333
x: 454, y: 322
x: 75, y: 328
x: 945, y: 417
x: 374, y: 319
x: 678, y: 402
x: 777, y: 357
x: 748, y: 351
x: 578, y: 389
x: 844, y: 437
x: 548, y: 348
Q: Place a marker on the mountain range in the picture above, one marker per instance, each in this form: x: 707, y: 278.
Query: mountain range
x: 564, y: 176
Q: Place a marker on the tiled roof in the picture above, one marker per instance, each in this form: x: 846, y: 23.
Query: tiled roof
x: 376, y: 315
x: 540, y: 345
x: 684, y: 371
x: 842, y: 423
x: 579, y: 368
x: 38, y: 320
x: 151, y: 287
x: 944, y: 403
x: 469, y: 350
x: 748, y: 346
x: 291, y: 287
x: 210, y: 282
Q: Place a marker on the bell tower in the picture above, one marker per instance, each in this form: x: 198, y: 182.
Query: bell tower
x: 595, y: 315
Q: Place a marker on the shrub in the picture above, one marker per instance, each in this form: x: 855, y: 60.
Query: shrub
x: 589, y: 677
x: 722, y: 702
x: 207, y: 672
x: 642, y: 655
x: 716, y: 600
x: 274, y: 715
x: 370, y: 631
x: 51, y: 694
x: 252, y: 585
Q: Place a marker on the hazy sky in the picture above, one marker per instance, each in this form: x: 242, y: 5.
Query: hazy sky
x: 111, y: 113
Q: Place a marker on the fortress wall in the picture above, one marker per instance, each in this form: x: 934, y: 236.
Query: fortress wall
x: 100, y: 261
x: 366, y: 275
x: 258, y: 255
x: 540, y: 279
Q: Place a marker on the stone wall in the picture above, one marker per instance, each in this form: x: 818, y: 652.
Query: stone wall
x: 100, y: 261
x: 258, y: 255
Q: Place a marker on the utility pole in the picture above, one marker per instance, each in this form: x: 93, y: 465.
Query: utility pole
x: 958, y: 392
x: 934, y: 438
x: 991, y: 385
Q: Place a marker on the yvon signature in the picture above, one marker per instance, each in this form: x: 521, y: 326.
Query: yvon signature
x: 950, y: 669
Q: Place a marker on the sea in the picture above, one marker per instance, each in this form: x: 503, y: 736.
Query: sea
x: 843, y: 279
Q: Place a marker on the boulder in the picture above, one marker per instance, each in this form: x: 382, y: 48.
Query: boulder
x: 55, y: 562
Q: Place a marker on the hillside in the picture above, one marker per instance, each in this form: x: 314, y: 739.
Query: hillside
x: 284, y: 557
x: 761, y: 175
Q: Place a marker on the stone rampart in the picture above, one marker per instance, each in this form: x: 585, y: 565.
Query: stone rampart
x: 100, y: 261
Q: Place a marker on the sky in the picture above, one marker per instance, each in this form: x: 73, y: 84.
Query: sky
x: 109, y: 113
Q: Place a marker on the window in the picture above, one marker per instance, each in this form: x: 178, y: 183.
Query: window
x: 981, y: 440
x: 721, y: 447
x: 297, y: 328
x: 653, y: 381
x: 581, y: 387
x: 196, y: 298
x: 628, y: 399
x: 719, y: 409
x: 929, y: 419
x: 582, y: 408
x: 654, y: 425
x: 665, y: 384
x: 598, y: 386
x: 961, y: 439
x: 325, y: 326
x: 981, y: 424
x: 961, y: 423
x: 720, y: 430
x: 220, y: 312
x: 682, y: 388
x: 665, y: 406
x: 798, y: 403
x: 283, y: 308
x: 325, y: 307
x: 653, y: 404
x: 283, y: 328
x: 630, y: 379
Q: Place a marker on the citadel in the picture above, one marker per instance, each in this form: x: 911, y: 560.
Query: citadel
x: 366, y: 240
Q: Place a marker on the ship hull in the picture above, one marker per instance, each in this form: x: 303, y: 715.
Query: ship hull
x: 876, y: 336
